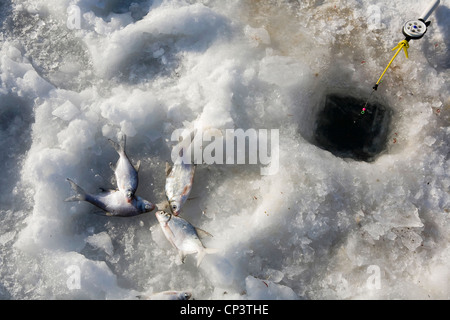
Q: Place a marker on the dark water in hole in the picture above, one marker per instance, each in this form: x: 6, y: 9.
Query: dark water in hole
x: 345, y: 132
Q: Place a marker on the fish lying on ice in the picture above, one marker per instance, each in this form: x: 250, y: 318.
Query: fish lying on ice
x: 180, y: 176
x: 113, y: 202
x: 179, y: 181
x: 126, y: 174
x: 183, y: 236
x: 167, y: 295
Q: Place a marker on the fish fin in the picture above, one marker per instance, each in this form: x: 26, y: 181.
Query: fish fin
x: 202, y: 233
x: 123, y: 141
x: 168, y: 168
x: 80, y: 193
x: 137, y: 166
x: 170, y: 235
x: 143, y: 297
x: 201, y: 254
x: 112, y: 166
x: 182, y: 256
x: 119, y: 147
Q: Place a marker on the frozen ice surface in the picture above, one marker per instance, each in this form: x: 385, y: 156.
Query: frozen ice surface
x: 321, y: 227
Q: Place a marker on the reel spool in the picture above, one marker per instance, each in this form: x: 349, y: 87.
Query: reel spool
x: 415, y: 29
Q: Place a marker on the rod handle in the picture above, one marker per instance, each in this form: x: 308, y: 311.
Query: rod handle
x: 429, y: 10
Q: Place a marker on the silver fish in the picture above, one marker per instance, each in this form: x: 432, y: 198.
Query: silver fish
x: 167, y: 295
x: 126, y: 174
x: 179, y: 181
x: 113, y: 202
x: 180, y: 176
x: 183, y: 236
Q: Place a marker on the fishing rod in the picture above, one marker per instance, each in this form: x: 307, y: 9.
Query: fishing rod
x: 412, y: 30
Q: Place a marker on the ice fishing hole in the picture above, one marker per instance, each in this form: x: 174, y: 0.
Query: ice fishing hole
x: 343, y: 129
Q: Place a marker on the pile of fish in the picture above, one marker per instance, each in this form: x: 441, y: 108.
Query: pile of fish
x: 123, y: 202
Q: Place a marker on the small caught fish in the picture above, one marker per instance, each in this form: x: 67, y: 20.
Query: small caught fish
x: 179, y: 181
x: 180, y: 176
x: 113, y: 202
x: 167, y: 295
x: 126, y: 174
x: 183, y: 236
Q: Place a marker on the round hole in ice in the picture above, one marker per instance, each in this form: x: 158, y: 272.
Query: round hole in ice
x: 348, y: 132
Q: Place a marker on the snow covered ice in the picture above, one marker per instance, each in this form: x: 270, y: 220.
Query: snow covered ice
x: 75, y: 73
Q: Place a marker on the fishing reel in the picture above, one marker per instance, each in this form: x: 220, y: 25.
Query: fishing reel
x: 412, y: 30
x: 416, y: 29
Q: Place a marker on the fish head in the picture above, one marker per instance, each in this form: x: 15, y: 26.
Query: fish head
x: 185, y: 295
x: 147, y: 206
x: 162, y: 216
x: 129, y: 195
x: 175, y: 207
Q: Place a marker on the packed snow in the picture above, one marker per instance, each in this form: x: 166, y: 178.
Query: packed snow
x: 75, y: 73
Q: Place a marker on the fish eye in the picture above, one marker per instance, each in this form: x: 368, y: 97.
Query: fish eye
x: 174, y: 207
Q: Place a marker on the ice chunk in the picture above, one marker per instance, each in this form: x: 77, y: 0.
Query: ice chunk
x: 257, y: 36
x: 108, y: 131
x: 67, y: 111
x: 429, y: 141
x: 34, y: 85
x: 409, y: 237
x: 282, y: 71
x: 404, y: 215
x: 273, y: 275
x: 77, y: 137
x: 101, y: 241
x: 127, y: 128
x: 7, y: 237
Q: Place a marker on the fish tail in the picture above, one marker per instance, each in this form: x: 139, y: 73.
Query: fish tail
x: 80, y: 193
x: 119, y: 147
x: 201, y: 254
